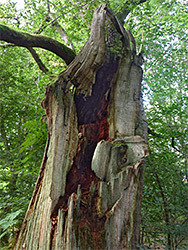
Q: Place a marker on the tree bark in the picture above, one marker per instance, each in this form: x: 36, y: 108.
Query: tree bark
x: 89, y: 189
x: 24, y: 39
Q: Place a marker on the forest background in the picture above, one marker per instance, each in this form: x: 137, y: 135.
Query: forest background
x: 160, y: 29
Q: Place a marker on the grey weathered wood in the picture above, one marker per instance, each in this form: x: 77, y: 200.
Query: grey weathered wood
x: 67, y: 210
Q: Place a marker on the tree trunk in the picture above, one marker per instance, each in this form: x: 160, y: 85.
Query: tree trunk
x: 88, y: 193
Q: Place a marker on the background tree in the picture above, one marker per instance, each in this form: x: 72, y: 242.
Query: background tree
x: 163, y: 25
x: 155, y: 26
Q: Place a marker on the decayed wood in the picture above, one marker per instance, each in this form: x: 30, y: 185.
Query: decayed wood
x: 117, y: 165
x: 87, y: 195
x: 62, y: 120
x: 124, y: 105
x: 82, y: 71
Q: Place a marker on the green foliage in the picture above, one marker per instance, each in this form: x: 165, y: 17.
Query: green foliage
x: 9, y: 221
x: 160, y: 28
x: 22, y: 133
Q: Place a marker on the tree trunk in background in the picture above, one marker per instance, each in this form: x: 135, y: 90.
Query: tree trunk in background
x: 89, y: 189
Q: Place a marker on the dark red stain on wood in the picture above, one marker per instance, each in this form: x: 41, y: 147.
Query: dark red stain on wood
x: 93, y: 127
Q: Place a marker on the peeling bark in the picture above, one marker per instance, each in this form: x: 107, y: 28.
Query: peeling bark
x: 88, y: 194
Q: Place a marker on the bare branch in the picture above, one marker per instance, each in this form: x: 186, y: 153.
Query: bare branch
x: 48, y: 6
x: 34, y: 55
x: 38, y: 60
x: 173, y: 145
x: 63, y: 34
x: 53, y: 21
x: 152, y: 132
x: 26, y: 40
x: 44, y: 26
x: 126, y: 9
